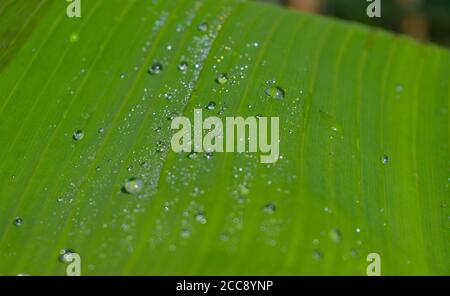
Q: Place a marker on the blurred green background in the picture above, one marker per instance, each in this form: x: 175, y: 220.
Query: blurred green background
x: 424, y: 20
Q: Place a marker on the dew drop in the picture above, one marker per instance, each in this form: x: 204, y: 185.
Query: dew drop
x: 275, y: 92
x: 200, y: 218
x: 317, y: 255
x: 385, y: 159
x: 335, y: 235
x: 74, y: 37
x: 203, y: 27
x: 183, y: 66
x: 209, y: 155
x: 18, y: 221
x: 65, y: 255
x: 269, y: 208
x: 160, y: 146
x: 222, y: 78
x: 399, y: 88
x: 101, y: 130
x: 192, y: 155
x: 133, y: 185
x: 122, y: 76
x: 211, y: 105
x: 155, y: 69
x: 185, y: 233
x: 78, y: 135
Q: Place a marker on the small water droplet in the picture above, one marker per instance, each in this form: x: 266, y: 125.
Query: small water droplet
x: 155, y: 69
x: 358, y: 230
x: 269, y: 208
x: 65, y: 255
x: 160, y: 146
x: 209, y: 155
x: 192, y: 155
x: 222, y: 78
x: 399, y: 88
x: 275, y: 92
x: 385, y: 159
x: 74, y: 37
x: 169, y: 96
x: 78, y: 135
x: 185, y: 233
x: 335, y: 235
x: 183, y: 66
x: 211, y: 105
x: 18, y: 221
x: 122, y: 76
x: 203, y: 27
x: 317, y: 255
x: 101, y: 130
x: 200, y: 218
x: 133, y: 185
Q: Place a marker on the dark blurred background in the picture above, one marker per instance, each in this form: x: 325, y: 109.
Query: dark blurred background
x: 424, y: 20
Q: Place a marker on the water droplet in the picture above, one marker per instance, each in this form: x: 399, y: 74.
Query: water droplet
x: 335, y: 235
x: 200, y: 218
x: 101, y: 130
x: 399, y: 88
x: 168, y: 96
x: 358, y: 230
x: 275, y: 92
x: 183, y: 66
x: 192, y: 155
x: 209, y: 155
x: 185, y: 233
x: 385, y: 159
x: 155, y: 69
x: 18, y: 221
x: 211, y: 105
x: 203, y: 27
x: 243, y: 189
x: 74, y: 37
x: 133, y: 185
x: 65, y: 255
x: 317, y: 255
x: 160, y: 146
x: 78, y: 135
x: 269, y: 208
x: 222, y: 78
x: 122, y: 76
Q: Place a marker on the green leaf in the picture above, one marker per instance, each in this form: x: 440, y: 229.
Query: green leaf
x: 364, y: 146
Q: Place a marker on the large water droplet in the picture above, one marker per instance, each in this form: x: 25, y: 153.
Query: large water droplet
x: 78, y: 135
x: 133, y: 185
x: 18, y: 221
x: 155, y: 69
x: 275, y: 92
x: 222, y: 78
